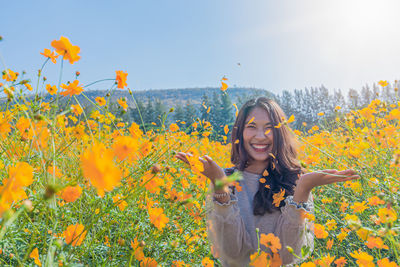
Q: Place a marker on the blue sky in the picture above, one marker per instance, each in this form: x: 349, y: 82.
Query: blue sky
x: 186, y: 43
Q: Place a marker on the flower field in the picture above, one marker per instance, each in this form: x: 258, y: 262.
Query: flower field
x: 81, y: 188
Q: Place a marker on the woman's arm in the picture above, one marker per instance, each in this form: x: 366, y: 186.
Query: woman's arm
x: 226, y: 229
x: 227, y: 232
x: 291, y: 227
x: 294, y: 231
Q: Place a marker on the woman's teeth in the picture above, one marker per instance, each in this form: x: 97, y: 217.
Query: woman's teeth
x: 260, y: 147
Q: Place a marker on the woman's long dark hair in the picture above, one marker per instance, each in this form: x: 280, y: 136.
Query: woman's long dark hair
x: 283, y: 170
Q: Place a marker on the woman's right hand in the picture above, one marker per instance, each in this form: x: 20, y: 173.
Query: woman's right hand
x: 211, y: 169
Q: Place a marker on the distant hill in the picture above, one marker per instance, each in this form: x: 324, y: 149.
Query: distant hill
x: 172, y: 97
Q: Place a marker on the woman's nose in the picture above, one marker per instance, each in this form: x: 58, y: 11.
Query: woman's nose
x: 260, y: 134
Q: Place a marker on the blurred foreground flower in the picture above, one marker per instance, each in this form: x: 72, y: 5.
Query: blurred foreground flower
x: 99, y: 167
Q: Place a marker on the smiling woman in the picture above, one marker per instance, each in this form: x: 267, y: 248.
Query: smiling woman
x: 268, y: 206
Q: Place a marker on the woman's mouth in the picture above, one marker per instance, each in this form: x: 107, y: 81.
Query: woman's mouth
x: 260, y: 148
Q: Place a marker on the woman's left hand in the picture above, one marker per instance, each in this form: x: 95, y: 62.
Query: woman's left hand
x: 310, y: 180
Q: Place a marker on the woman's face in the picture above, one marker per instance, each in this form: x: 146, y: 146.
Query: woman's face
x: 258, y: 136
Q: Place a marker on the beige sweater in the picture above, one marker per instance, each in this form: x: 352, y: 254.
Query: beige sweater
x: 232, y: 227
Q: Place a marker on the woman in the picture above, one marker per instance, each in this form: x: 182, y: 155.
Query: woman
x: 263, y: 152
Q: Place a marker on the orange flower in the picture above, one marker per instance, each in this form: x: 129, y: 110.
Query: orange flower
x: 259, y: 260
x: 224, y: 86
x: 28, y: 86
x: 226, y: 129
x: 206, y: 262
x: 49, y: 54
x: 329, y: 244
x: 363, y: 258
x: 98, y: 166
x: 237, y: 186
x: 386, y: 263
x: 158, y: 218
x: 173, y: 127
x: 121, y: 79
x: 291, y: 119
x: 195, y: 164
x: 340, y: 262
x: 101, y: 101
x: 135, y: 131
x: 387, y: 215
x: 375, y: 201
x: 51, y: 89
x: 10, y: 75
x: 22, y: 125
x: 331, y: 224
x: 71, y: 193
x: 72, y: 89
x: 375, y: 242
x: 276, y: 260
x: 75, y: 234
x: 19, y: 176
x: 35, y: 255
x: 343, y: 207
x: 383, y: 83
x: 137, y: 249
x: 76, y: 109
x: 118, y: 200
x: 308, y: 264
x: 122, y: 103
x: 278, y: 197
x: 271, y: 241
x: 125, y: 146
x: 326, y: 260
x: 148, y: 262
x: 319, y: 231
x: 66, y: 49
x: 152, y: 183
x: 359, y: 207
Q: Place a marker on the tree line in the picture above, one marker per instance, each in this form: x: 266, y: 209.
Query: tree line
x: 218, y: 109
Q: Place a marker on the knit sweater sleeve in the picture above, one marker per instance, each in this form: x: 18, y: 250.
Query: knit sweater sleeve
x: 226, y: 231
x: 294, y: 231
